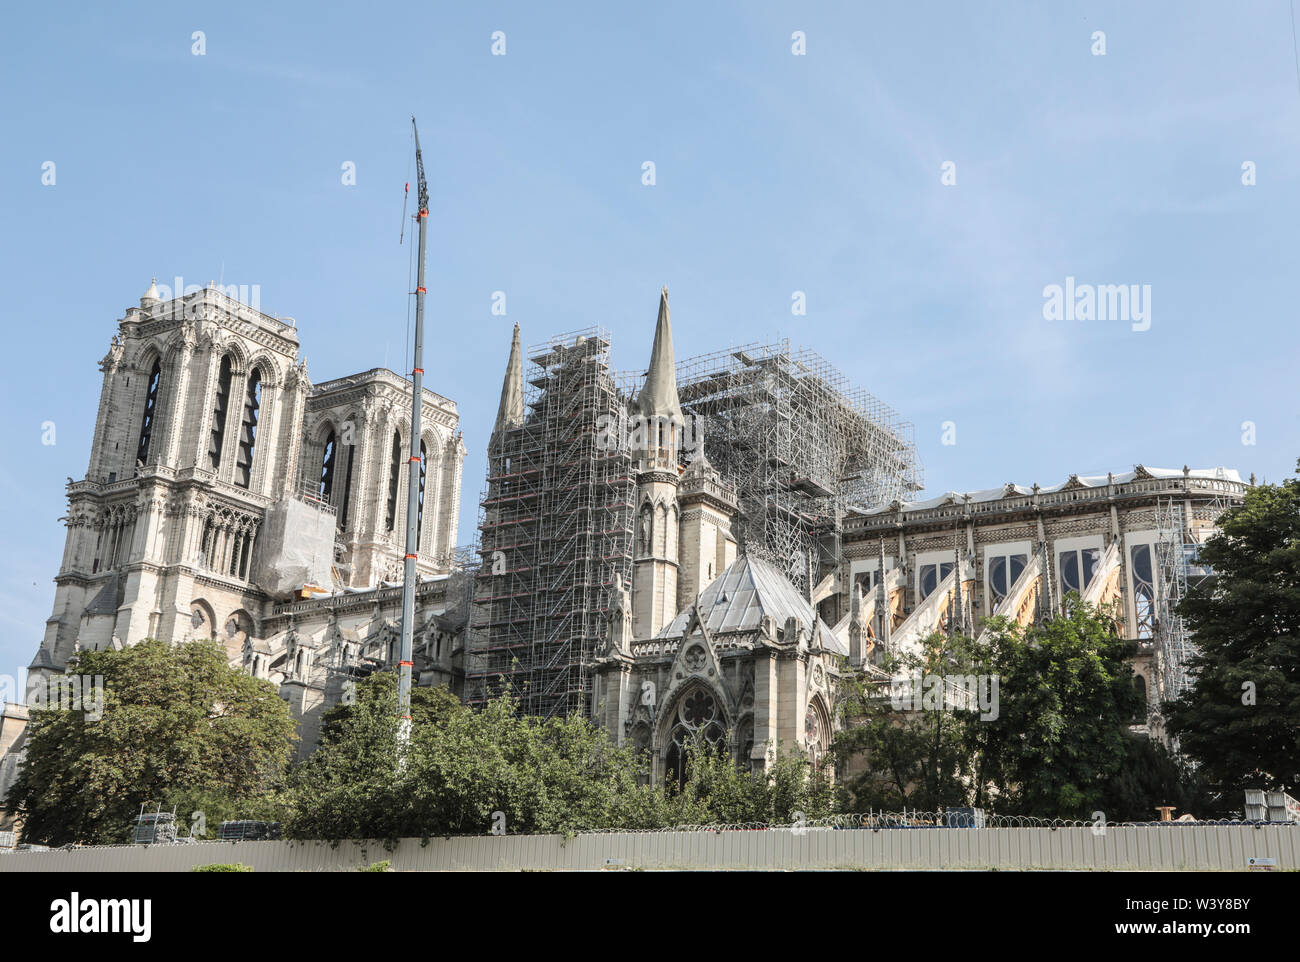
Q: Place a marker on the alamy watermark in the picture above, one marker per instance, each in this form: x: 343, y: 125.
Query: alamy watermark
x: 946, y: 692
x: 641, y: 435
x: 83, y: 693
x: 1098, y: 302
x: 247, y: 294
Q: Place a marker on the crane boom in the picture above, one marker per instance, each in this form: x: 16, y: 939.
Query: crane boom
x: 415, y: 463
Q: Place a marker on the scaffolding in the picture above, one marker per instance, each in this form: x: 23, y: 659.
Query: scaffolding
x: 800, y: 445
x: 555, y: 528
x: 1180, y: 572
x: 784, y: 428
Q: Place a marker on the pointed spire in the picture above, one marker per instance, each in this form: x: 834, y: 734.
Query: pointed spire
x: 659, y: 395
x: 511, y: 410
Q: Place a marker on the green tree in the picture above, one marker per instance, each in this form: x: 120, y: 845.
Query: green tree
x: 463, y: 766
x: 894, y: 753
x: 1149, y: 776
x: 1240, y: 719
x: 177, y: 720
x: 1067, y: 696
x: 718, y: 791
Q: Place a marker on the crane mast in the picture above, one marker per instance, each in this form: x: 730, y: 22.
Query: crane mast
x: 415, y: 467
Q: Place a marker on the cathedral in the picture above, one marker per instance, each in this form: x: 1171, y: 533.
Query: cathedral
x: 702, y: 549
x: 228, y: 496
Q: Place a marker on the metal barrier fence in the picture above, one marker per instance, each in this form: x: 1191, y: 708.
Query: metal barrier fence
x: 1150, y: 846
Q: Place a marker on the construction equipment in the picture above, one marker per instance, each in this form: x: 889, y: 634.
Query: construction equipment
x: 414, y: 504
x: 156, y: 827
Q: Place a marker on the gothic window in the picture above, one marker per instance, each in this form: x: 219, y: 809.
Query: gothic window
x: 868, y: 580
x: 150, y: 408
x: 1004, y: 570
x: 328, y: 461
x: 219, y: 407
x: 1144, y: 590
x: 419, y: 515
x: 394, y: 480
x: 347, y: 487
x: 1076, y: 567
x: 930, y: 576
x: 814, y: 729
x: 698, y: 719
x: 248, y: 430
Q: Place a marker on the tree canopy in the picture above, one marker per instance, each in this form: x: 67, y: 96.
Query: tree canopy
x: 176, y: 721
x: 1240, y: 718
x: 473, y: 771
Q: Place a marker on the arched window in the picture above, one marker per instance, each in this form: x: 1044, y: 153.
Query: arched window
x: 327, y: 463
x: 219, y: 407
x: 394, y: 480
x: 150, y: 406
x: 698, y: 718
x: 1144, y: 590
x: 248, y: 430
x: 815, y: 729
x: 419, y: 517
x: 349, y: 453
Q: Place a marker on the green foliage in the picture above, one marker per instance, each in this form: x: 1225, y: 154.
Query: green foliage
x: 1240, y: 719
x: 217, y: 806
x: 224, y: 867
x: 461, y: 767
x: 716, y: 790
x: 1151, y: 776
x: 913, y: 759
x: 178, y: 722
x: 1067, y: 698
x: 384, y: 866
x: 1059, y: 747
x: 558, y: 775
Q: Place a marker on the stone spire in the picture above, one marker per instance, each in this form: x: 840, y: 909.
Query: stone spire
x: 658, y: 397
x: 511, y: 410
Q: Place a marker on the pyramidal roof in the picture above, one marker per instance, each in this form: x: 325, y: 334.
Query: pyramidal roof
x: 746, y: 592
x: 511, y: 409
x: 658, y: 397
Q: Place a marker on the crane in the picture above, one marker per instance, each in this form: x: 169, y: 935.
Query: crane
x: 415, y: 466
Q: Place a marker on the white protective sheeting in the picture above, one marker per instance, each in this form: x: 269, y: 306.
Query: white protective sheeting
x: 294, y: 548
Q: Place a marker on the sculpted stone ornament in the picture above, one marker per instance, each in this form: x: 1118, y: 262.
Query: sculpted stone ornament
x: 620, y: 618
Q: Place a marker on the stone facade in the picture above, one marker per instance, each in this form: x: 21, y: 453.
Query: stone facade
x: 208, y: 429
x: 1018, y: 551
x: 705, y: 644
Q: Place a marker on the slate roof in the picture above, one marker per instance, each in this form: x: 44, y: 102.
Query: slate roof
x: 746, y: 592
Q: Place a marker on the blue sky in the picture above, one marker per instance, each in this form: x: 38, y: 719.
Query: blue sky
x: 775, y: 173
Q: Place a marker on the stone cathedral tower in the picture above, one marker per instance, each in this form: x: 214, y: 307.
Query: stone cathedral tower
x: 656, y: 431
x: 723, y: 647
x: 222, y: 482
